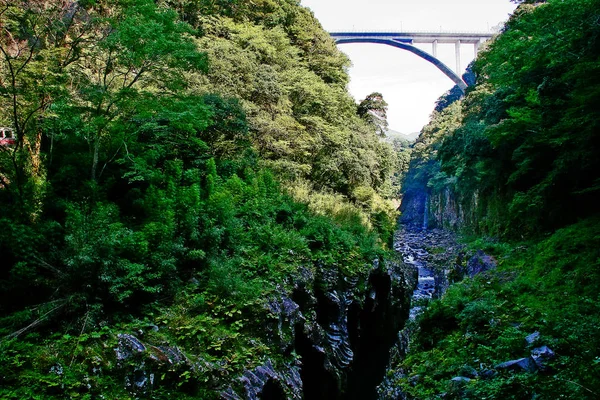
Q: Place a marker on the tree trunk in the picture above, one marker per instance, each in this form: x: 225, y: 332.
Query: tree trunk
x: 95, y: 160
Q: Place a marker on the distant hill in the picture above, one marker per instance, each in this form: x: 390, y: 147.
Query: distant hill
x: 392, y: 134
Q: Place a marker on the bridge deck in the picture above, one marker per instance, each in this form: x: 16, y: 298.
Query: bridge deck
x: 420, y: 37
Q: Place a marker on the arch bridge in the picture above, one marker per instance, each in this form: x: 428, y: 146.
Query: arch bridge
x: 407, y: 41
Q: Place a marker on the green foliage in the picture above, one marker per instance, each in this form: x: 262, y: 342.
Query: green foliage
x: 526, y: 142
x: 374, y: 109
x: 518, y: 155
x: 102, y: 254
x: 550, y: 287
x: 238, y: 242
x: 304, y: 126
x: 424, y: 175
x: 142, y: 192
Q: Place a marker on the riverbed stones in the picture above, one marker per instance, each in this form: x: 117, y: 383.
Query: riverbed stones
x: 431, y: 254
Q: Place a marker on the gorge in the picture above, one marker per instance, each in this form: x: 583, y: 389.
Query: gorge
x: 193, y: 207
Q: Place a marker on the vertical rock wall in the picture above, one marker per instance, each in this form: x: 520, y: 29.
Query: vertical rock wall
x: 343, y: 329
x: 422, y: 209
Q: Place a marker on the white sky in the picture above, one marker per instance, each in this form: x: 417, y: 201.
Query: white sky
x: 408, y: 83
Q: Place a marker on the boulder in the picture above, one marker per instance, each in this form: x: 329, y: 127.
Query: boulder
x: 533, y: 337
x: 522, y: 364
x: 541, y: 355
x: 128, y: 346
x: 461, y: 379
x: 487, y: 374
x: 479, y: 263
x: 468, y: 371
x: 167, y: 355
x: 139, y: 382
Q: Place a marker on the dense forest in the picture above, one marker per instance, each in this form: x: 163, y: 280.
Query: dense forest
x: 520, y: 151
x: 514, y: 165
x: 174, y: 166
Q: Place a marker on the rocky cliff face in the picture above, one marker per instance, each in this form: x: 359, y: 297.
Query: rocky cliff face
x: 342, y: 329
x: 413, y: 208
x: 437, y: 210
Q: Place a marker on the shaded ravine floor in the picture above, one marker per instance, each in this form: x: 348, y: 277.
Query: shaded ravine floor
x: 433, y: 253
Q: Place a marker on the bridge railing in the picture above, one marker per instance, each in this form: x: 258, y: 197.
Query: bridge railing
x: 420, y: 32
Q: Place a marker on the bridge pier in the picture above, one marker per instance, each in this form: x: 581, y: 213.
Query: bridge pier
x: 476, y: 47
x: 457, y: 51
x: 434, y: 48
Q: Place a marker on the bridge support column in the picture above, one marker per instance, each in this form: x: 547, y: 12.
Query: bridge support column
x: 457, y: 51
x: 434, y: 48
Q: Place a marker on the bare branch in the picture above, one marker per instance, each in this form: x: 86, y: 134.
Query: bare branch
x: 5, y: 9
x: 34, y: 323
x: 87, y: 314
x: 49, y: 267
x: 112, y: 158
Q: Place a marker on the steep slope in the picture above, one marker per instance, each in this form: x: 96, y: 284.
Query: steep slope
x: 193, y: 207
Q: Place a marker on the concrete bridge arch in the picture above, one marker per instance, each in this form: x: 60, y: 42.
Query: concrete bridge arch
x: 406, y: 41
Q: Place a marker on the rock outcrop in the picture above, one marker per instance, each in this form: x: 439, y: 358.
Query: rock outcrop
x: 332, y: 329
x: 479, y: 263
x: 342, y: 328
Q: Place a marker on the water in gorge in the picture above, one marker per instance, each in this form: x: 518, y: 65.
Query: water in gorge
x: 432, y: 254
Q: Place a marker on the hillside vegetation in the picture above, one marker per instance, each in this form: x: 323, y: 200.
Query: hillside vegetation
x: 519, y: 152
x: 176, y: 164
x: 517, y: 159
